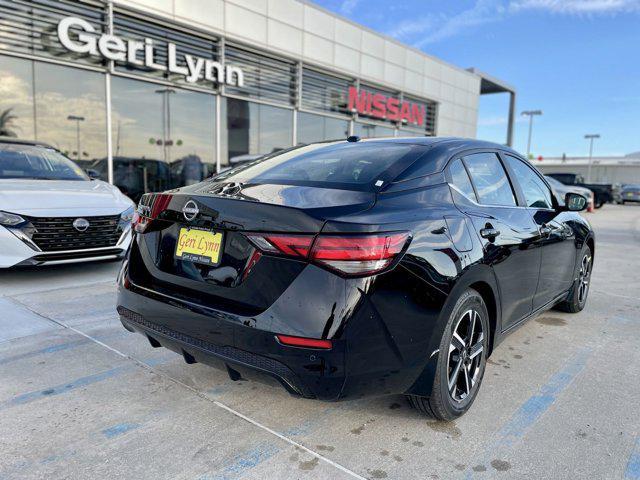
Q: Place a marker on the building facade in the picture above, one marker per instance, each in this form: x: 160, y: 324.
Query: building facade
x: 154, y: 94
x: 614, y: 170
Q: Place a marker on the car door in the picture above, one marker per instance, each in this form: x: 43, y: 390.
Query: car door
x: 556, y: 237
x: 506, y: 230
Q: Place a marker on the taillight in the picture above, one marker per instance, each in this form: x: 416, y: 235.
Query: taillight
x: 151, y: 205
x: 289, y: 245
x: 351, y: 255
x: 359, y: 254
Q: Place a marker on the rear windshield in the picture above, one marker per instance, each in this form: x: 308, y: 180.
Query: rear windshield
x: 352, y: 166
x: 39, y: 163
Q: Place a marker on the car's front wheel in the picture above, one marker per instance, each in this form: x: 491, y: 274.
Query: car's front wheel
x: 461, y: 360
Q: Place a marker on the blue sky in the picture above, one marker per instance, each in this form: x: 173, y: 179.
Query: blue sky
x: 576, y: 60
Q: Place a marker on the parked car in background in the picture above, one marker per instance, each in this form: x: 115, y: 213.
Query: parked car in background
x: 353, y: 268
x: 52, y: 212
x: 561, y: 190
x: 603, y: 193
x: 630, y: 193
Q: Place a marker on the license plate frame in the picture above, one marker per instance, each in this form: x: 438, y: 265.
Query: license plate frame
x: 196, y: 252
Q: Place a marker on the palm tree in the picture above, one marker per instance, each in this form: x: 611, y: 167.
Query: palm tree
x: 6, y: 120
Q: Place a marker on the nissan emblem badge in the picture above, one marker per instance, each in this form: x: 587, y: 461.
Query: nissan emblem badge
x: 190, y: 210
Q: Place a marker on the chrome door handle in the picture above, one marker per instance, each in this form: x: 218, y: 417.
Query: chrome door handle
x: 489, y: 233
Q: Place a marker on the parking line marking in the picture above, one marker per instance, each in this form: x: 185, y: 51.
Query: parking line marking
x: 535, y: 407
x: 73, y: 384
x: 283, y: 437
x: 243, y: 462
x: 530, y: 411
x: 204, y: 396
x: 50, y: 349
x: 63, y: 388
x: 119, y: 429
x: 56, y: 348
x: 633, y: 465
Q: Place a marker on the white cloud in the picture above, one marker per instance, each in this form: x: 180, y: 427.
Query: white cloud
x: 577, y: 7
x: 434, y: 28
x: 348, y: 6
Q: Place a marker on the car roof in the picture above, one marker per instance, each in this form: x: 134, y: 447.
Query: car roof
x: 450, y: 145
x: 22, y: 141
x: 467, y: 142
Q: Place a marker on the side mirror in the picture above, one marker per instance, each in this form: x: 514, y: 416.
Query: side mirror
x: 93, y: 174
x: 574, y: 202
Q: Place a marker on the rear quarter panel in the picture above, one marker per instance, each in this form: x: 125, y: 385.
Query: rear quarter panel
x: 398, y: 317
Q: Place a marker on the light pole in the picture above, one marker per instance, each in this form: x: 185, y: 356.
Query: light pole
x: 77, y: 119
x: 590, y: 137
x: 530, y: 114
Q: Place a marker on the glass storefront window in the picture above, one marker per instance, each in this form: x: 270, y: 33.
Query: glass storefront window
x: 70, y: 106
x: 410, y: 133
x: 16, y: 98
x: 369, y: 130
x: 64, y: 107
x: 252, y: 129
x: 162, y: 137
x: 315, y: 128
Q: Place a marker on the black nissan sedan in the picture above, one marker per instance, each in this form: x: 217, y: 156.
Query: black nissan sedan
x: 359, y: 267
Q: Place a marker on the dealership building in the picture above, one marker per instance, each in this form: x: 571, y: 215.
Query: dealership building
x: 154, y: 94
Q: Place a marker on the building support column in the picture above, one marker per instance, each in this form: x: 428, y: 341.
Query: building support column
x: 107, y: 91
x: 512, y: 118
x: 218, y: 131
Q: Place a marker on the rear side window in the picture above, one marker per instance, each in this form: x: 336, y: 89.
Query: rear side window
x: 460, y: 179
x: 490, y: 179
x: 536, y: 193
x: 339, y: 165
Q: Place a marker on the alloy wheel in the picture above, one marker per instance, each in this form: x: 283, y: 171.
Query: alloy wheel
x: 584, y: 278
x: 465, y: 355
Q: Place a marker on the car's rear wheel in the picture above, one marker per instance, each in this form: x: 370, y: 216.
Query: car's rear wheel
x: 461, y: 360
x: 577, y: 297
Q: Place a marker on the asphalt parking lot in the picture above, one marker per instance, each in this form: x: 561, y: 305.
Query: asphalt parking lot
x: 82, y: 398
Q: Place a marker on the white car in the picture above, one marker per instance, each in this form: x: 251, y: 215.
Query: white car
x: 52, y: 212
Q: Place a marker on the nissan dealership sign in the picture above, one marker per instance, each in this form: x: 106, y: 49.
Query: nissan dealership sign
x: 120, y: 49
x: 385, y: 107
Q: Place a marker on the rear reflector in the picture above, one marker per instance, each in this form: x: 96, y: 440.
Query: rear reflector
x: 303, y: 342
x: 351, y: 255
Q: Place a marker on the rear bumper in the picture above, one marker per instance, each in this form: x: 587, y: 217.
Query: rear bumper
x: 366, y: 359
x: 241, y: 350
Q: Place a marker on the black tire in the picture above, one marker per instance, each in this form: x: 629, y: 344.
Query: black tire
x: 463, y: 364
x: 577, y: 297
x: 599, y: 204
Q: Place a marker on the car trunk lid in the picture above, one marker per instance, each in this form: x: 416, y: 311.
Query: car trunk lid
x: 242, y: 280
